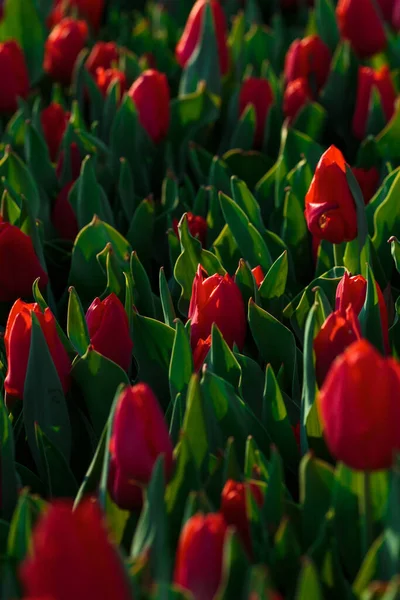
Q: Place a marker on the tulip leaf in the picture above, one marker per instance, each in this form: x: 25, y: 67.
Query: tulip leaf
x: 370, y: 315
x: 92, y: 478
x: 234, y: 568
x: 194, y: 424
x: 141, y: 289
x: 245, y: 281
x: 251, y: 385
x: 126, y: 189
x: 245, y: 199
x: 223, y: 361
x: 8, y: 473
x: 141, y: 230
x: 369, y: 570
x: 273, y: 286
x: 286, y: 556
x: 91, y: 198
x: 273, y: 507
x: 243, y: 135
x: 38, y: 159
x: 226, y: 249
x: 308, y: 585
x: 181, y: 365
x: 76, y: 324
x: 21, y: 180
x: 326, y: 23
x: 166, y: 300
x: 22, y: 523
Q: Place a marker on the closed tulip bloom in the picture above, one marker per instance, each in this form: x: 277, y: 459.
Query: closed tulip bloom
x: 368, y: 180
x: 233, y: 507
x: 257, y: 92
x: 368, y: 80
x: 105, y: 77
x: 360, y: 408
x: 19, y: 265
x: 150, y: 94
x: 197, y: 227
x: 14, y: 76
x: 73, y: 557
x: 296, y: 96
x: 336, y: 334
x: 108, y: 327
x: 198, y: 566
x: 17, y: 340
x: 62, y: 47
x: 124, y: 491
x: 330, y: 208
x: 54, y: 121
x: 310, y: 59
x: 103, y: 54
x: 90, y: 10
x: 216, y: 299
x: 258, y: 275
x: 191, y: 35
x: 63, y: 216
x: 360, y: 24
x: 200, y: 352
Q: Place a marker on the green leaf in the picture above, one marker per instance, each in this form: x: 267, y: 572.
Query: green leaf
x: 55, y: 472
x: 126, y: 189
x: 166, y: 300
x: 273, y: 287
x: 38, y: 159
x: 142, y: 294
x: 76, y: 323
x: 234, y: 568
x: 243, y: 135
x: 91, y: 197
x: 141, y: 230
x: 223, y: 361
x: 286, y: 556
x: 181, y: 366
x: 24, y: 518
x: 21, y: 180
x: 326, y: 23
x: 273, y: 507
x: 370, y: 315
x: 308, y: 585
x: 245, y: 199
x: 8, y: 474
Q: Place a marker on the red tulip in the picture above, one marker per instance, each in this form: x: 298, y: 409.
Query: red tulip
x: 198, y: 566
x: 310, y: 59
x: 90, y: 10
x: 257, y: 92
x: 63, y: 216
x: 197, y: 227
x: 54, y: 120
x: 368, y: 80
x: 17, y: 340
x: 75, y: 161
x: 72, y: 556
x: 368, y: 180
x: 216, y: 299
x: 19, y: 265
x: 258, y: 275
x: 200, y: 352
x: 104, y: 78
x: 139, y: 436
x: 296, y: 96
x: 191, y: 35
x: 330, y: 208
x: 336, y: 334
x: 396, y: 15
x: 150, y: 94
x: 103, y: 54
x: 108, y: 328
x: 14, y: 76
x: 360, y: 408
x: 62, y: 47
x: 360, y: 24
x: 233, y: 507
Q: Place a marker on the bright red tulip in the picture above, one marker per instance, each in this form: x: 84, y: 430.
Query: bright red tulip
x: 200, y: 352
x: 73, y: 557
x: 14, y: 75
x: 368, y: 80
x: 336, y: 334
x: 257, y: 92
x: 105, y: 77
x: 103, y: 54
x: 19, y: 265
x: 360, y: 408
x: 197, y: 227
x: 150, y: 94
x: 63, y: 216
x: 198, y: 566
x: 90, y: 10
x: 54, y: 121
x: 360, y: 24
x: 233, y: 507
x: 330, y: 208
x: 108, y: 327
x: 258, y: 274
x: 192, y: 32
x: 62, y: 47
x: 368, y: 180
x: 310, y: 59
x: 296, y: 96
x: 17, y: 340
x: 216, y: 299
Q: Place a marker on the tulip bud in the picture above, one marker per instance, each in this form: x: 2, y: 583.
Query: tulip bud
x: 90, y: 10
x: 258, y: 275
x: 198, y: 566
x: 62, y: 47
x: 63, y: 216
x: 139, y: 436
x: 368, y: 80
x: 73, y: 557
x: 296, y: 96
x: 190, y: 38
x: 150, y: 94
x: 217, y: 299
x: 105, y: 77
x: 19, y: 265
x: 360, y: 408
x: 233, y: 507
x: 360, y: 24
x: 309, y: 59
x: 330, y: 208
x: 54, y: 121
x: 200, y: 352
x: 14, y: 75
x: 17, y: 340
x: 258, y: 93
x: 368, y: 180
x: 197, y: 227
x: 336, y: 334
x: 108, y: 328
x: 103, y: 54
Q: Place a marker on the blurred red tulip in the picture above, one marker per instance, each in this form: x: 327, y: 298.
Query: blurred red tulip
x: 296, y: 96
x: 150, y: 94
x: 54, y: 121
x: 368, y: 80
x: 309, y: 59
x: 200, y: 352
x: 14, y: 75
x: 233, y: 507
x: 197, y: 227
x: 105, y: 77
x: 256, y: 91
x: 103, y: 54
x: 62, y: 47
x: 360, y: 24
x: 368, y: 180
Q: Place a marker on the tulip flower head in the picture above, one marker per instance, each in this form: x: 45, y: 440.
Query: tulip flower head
x: 54, y: 120
x: 233, y: 507
x: 368, y: 80
x: 309, y: 59
x: 296, y: 96
x: 62, y: 47
x: 106, y: 77
x: 14, y: 75
x: 197, y: 227
x: 151, y: 96
x: 257, y: 91
x: 360, y: 24
x: 368, y: 180
x: 103, y: 54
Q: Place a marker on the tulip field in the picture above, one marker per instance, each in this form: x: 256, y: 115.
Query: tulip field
x: 200, y: 299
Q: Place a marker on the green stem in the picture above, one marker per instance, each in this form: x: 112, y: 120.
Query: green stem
x: 366, y: 513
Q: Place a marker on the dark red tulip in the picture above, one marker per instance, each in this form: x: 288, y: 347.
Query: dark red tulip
x: 258, y: 274
x: 360, y: 24
x: 124, y: 491
x: 90, y: 10
x: 310, y: 59
x: 103, y: 54
x: 257, y: 92
x: 216, y: 299
x: 191, y: 35
x: 54, y: 121
x: 62, y: 47
x: 330, y: 208
x: 200, y: 352
x: 233, y: 507
x: 63, y: 216
x: 17, y: 340
x: 296, y: 96
x: 14, y: 75
x: 386, y: 8
x: 396, y: 15
x: 368, y: 80
x: 150, y: 94
x: 198, y: 566
x: 368, y: 180
x: 197, y: 227
x: 77, y: 542
x: 360, y: 408
x: 337, y: 333
x: 108, y: 328
x: 19, y: 265
x: 105, y: 77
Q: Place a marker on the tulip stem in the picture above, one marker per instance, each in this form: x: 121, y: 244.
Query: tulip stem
x: 366, y: 513
x: 338, y: 255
